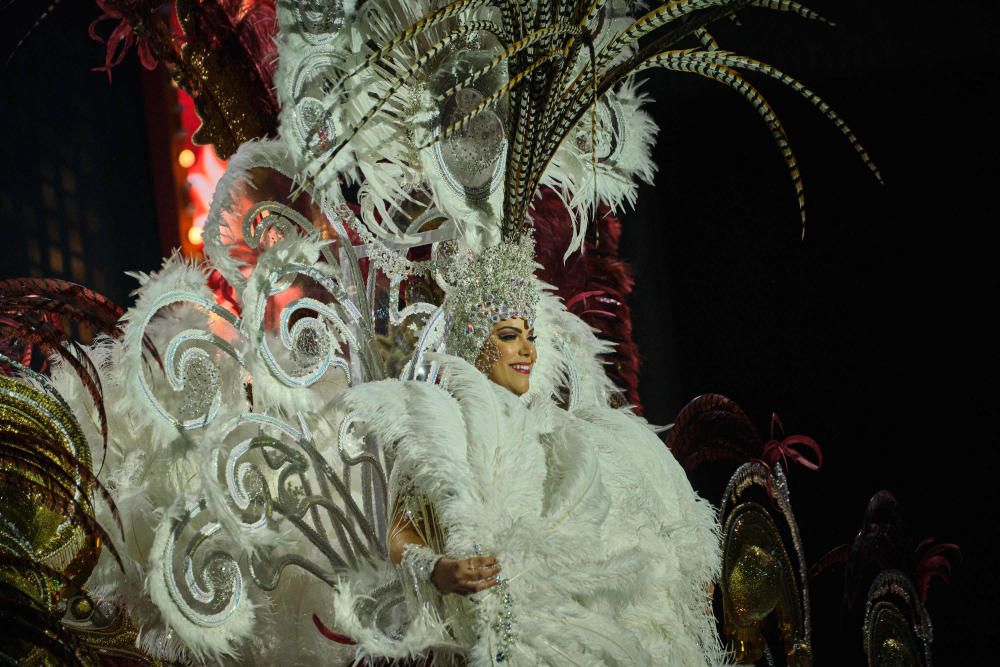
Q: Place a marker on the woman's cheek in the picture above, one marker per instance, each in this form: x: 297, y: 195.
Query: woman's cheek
x: 505, y: 352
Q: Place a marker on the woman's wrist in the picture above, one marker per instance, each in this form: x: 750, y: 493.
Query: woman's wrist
x: 419, y: 562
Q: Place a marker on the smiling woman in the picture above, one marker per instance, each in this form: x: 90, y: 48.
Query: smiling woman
x: 508, y: 355
x: 530, y: 524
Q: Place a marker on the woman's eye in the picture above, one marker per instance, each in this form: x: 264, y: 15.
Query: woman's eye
x: 532, y: 338
x: 507, y: 337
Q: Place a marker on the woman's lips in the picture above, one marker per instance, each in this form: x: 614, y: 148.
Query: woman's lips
x: 524, y: 369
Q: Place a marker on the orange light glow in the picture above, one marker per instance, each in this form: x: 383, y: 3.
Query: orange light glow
x: 199, y: 170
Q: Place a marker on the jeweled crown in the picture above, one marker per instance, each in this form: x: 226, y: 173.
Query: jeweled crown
x: 487, y: 287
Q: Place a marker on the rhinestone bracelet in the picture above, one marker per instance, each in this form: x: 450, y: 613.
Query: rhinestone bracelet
x: 419, y: 561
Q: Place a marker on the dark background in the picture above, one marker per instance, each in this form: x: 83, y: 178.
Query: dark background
x: 870, y: 335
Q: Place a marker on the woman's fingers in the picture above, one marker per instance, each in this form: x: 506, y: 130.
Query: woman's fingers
x: 483, y: 561
x: 475, y: 569
x: 478, y: 573
x: 489, y: 572
x: 481, y: 585
x: 466, y: 576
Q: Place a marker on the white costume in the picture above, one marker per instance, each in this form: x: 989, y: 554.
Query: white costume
x: 607, y: 550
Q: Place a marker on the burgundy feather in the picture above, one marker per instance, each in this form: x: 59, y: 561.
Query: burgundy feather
x: 38, y: 311
x: 594, y: 282
x: 837, y: 556
x: 206, y: 46
x: 712, y: 428
x: 330, y: 634
x: 882, y: 544
x: 934, y: 561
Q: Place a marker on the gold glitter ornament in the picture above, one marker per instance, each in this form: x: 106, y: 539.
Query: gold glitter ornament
x: 897, y: 630
x: 81, y: 608
x: 230, y: 99
x: 754, y: 584
x: 762, y: 570
x: 46, y: 499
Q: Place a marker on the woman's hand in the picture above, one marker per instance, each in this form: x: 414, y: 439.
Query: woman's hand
x: 465, y: 576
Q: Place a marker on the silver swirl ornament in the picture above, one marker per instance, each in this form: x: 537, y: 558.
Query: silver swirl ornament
x: 192, y: 369
x: 315, y: 128
x: 313, y: 118
x: 194, y: 374
x: 179, y: 353
x: 198, y: 585
x: 301, y: 326
x: 264, y: 478
x: 320, y: 331
x: 269, y: 222
x: 315, y: 125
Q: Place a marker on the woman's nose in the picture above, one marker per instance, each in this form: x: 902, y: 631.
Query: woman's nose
x: 525, y: 348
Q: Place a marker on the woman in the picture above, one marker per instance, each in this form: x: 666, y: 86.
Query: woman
x: 507, y: 358
x: 531, y: 526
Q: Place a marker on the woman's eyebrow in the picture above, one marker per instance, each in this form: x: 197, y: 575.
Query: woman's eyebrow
x: 508, y: 326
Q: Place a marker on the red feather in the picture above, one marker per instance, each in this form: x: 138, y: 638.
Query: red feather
x: 330, y: 634
x: 712, y: 428
x: 40, y: 311
x: 594, y: 276
x: 934, y: 561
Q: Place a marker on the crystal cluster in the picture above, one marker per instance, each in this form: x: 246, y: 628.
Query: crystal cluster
x: 493, y: 285
x: 504, y: 626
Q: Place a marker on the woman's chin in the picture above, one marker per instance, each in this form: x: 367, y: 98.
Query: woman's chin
x: 520, y: 385
x: 515, y: 385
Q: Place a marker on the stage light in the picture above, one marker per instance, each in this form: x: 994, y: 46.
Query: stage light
x: 186, y: 158
x: 194, y: 235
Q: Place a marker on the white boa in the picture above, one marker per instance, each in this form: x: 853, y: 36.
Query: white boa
x: 607, y: 549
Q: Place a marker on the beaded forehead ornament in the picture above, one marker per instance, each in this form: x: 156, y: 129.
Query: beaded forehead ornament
x: 487, y: 287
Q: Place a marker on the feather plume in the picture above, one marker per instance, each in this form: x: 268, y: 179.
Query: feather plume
x: 594, y: 283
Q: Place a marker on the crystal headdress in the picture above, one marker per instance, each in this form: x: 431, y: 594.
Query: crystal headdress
x: 478, y: 105
x: 485, y: 288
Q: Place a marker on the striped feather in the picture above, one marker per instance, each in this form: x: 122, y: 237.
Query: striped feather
x: 650, y: 22
x: 793, y: 8
x: 419, y: 26
x: 706, y: 39
x: 553, y: 87
x: 744, y: 62
x: 488, y: 100
x: 394, y: 86
x: 732, y: 79
x: 521, y: 45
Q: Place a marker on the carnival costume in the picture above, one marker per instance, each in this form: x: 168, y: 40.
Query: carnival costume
x: 260, y: 444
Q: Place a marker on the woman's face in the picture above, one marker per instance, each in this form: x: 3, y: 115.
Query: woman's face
x: 513, y: 349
